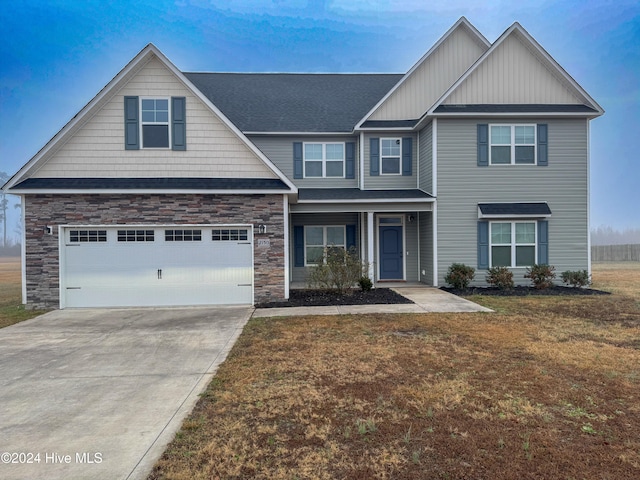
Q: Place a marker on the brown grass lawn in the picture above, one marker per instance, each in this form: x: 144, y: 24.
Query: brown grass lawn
x: 546, y: 388
x: 11, y: 308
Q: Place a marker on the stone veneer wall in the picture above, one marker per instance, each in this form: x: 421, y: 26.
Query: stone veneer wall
x: 42, y: 258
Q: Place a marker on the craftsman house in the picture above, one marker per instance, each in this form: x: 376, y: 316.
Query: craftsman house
x: 178, y: 188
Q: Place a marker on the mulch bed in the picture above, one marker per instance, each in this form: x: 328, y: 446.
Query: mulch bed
x: 324, y: 298
x: 524, y: 291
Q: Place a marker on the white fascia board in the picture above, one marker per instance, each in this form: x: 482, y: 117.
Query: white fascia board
x: 516, y: 27
x: 115, y: 191
x: 386, y: 129
x: 299, y: 134
x: 515, y: 114
x: 512, y: 216
x: 461, y: 21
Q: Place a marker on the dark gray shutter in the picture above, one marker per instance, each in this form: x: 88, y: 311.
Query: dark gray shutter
x: 131, y: 124
x: 483, y: 145
x: 350, y: 160
x: 543, y: 151
x: 374, y: 157
x: 407, y: 155
x: 178, y: 123
x: 351, y: 236
x: 297, y: 159
x: 298, y: 246
x: 543, y: 242
x: 483, y: 245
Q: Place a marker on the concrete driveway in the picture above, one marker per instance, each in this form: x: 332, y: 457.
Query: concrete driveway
x: 99, y: 393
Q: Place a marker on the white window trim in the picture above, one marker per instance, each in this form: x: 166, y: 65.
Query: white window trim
x: 324, y: 159
x: 398, y: 139
x: 167, y: 123
x: 513, y: 143
x: 324, y: 240
x: 513, y: 243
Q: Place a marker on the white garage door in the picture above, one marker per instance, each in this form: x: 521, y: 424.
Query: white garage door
x: 156, y: 266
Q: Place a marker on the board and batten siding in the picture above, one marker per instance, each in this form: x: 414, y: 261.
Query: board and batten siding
x: 97, y: 148
x: 279, y: 149
x: 390, y: 182
x: 462, y: 185
x: 432, y: 77
x: 513, y: 74
x: 425, y: 137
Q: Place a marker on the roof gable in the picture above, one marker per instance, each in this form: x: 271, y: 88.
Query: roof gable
x: 423, y: 84
x: 516, y: 70
x: 92, y: 143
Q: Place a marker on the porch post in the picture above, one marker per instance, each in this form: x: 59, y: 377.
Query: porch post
x: 370, y: 253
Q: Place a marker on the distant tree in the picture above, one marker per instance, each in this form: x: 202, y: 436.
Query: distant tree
x: 605, y: 235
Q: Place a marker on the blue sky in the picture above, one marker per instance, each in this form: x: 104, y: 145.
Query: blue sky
x: 56, y: 55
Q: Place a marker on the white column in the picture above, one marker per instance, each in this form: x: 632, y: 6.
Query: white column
x: 370, y: 253
x: 285, y: 213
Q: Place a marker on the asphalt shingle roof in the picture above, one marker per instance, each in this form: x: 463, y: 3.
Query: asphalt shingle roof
x: 357, y: 194
x: 294, y: 102
x: 514, y: 209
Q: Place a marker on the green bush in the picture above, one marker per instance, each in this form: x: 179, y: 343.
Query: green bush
x: 341, y: 270
x: 500, y: 277
x: 460, y: 275
x: 365, y: 284
x: 578, y: 278
x: 541, y: 275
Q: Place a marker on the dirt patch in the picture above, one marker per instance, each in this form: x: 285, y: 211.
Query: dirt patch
x: 322, y: 298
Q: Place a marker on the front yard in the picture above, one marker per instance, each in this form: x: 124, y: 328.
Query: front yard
x: 547, y: 387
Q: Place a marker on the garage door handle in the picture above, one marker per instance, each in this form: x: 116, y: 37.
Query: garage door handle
x: 159, y: 274
x: 244, y: 284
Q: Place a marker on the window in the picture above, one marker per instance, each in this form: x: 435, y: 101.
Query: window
x: 513, y: 244
x: 135, y: 235
x: 155, y: 122
x: 513, y: 144
x: 229, y: 234
x: 390, y: 154
x: 318, y: 239
x: 80, y: 236
x: 182, y: 235
x: 323, y: 160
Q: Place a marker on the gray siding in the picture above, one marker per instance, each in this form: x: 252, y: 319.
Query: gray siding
x: 425, y: 137
x: 390, y: 181
x: 462, y: 185
x: 425, y: 220
x: 299, y: 274
x: 412, y: 251
x: 280, y: 151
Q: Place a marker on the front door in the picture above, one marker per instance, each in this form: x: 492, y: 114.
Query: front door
x: 391, y: 252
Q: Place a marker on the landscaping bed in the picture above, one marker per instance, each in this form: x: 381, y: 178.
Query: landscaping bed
x: 523, y: 291
x: 323, y: 298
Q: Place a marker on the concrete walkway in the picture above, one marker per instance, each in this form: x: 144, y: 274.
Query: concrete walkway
x: 425, y: 300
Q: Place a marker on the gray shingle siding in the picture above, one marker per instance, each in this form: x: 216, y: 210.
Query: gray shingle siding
x: 462, y: 185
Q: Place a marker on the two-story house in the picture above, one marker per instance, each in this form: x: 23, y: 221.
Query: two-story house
x: 176, y: 188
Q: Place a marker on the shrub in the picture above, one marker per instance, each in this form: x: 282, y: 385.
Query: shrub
x: 341, y: 270
x: 460, y: 275
x: 365, y: 284
x: 541, y: 275
x: 500, y: 277
x: 578, y: 278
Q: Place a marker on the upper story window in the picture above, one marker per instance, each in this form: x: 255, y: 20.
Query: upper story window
x: 155, y: 122
x: 390, y: 155
x: 324, y: 160
x: 513, y: 244
x: 512, y: 144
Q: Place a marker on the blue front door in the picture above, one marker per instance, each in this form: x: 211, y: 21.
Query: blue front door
x: 391, y: 253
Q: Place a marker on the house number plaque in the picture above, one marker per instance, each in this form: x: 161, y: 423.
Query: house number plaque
x: 264, y: 242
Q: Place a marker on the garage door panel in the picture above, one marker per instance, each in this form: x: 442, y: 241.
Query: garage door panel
x: 159, y: 272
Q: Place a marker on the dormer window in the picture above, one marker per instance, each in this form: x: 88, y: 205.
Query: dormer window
x: 155, y: 122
